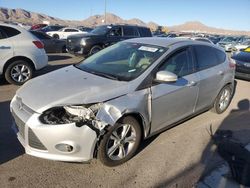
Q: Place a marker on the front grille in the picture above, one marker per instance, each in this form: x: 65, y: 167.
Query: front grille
x: 34, y: 142
x: 20, y: 125
x: 73, y: 43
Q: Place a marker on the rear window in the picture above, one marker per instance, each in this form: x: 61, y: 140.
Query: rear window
x: 130, y: 31
x: 40, y: 35
x: 71, y: 30
x: 9, y: 31
x: 144, y: 32
x: 206, y: 57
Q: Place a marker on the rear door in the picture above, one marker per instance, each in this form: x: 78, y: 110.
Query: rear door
x: 211, y: 72
x: 172, y: 102
x: 6, y: 47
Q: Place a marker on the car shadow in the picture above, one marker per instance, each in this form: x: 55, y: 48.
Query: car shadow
x: 52, y: 57
x: 10, y: 147
x: 146, y: 142
x: 237, y: 124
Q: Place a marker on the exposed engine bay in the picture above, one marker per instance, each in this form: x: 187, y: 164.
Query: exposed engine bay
x: 80, y: 115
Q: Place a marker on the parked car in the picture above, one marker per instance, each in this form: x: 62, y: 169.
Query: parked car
x: 229, y: 43
x: 242, y: 60
x: 51, y: 28
x: 242, y: 46
x: 111, y: 101
x: 85, y: 29
x: 38, y: 26
x: 103, y: 36
x: 21, y: 54
x: 215, y: 40
x: 65, y: 32
x: 51, y: 45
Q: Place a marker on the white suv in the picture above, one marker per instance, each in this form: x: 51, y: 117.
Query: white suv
x: 20, y: 54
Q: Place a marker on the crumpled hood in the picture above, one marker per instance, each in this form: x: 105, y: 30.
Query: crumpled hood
x: 69, y: 85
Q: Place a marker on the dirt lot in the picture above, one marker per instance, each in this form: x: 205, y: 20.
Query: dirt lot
x: 177, y: 157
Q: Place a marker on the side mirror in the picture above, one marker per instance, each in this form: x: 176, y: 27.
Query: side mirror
x: 165, y: 77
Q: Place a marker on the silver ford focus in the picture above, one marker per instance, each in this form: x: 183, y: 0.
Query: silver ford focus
x: 106, y: 105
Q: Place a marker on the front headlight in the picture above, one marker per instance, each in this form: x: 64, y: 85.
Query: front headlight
x: 69, y: 114
x: 83, y: 41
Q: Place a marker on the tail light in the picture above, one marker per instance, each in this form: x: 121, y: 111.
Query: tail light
x: 38, y: 44
x: 232, y: 63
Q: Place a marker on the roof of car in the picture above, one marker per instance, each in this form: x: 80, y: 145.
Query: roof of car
x: 166, y: 42
x: 159, y: 41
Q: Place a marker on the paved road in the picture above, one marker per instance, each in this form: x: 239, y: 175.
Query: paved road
x: 179, y: 156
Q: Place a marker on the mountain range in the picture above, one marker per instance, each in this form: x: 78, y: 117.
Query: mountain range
x: 24, y: 16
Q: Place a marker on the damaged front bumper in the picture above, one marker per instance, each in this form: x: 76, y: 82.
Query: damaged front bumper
x: 63, y: 142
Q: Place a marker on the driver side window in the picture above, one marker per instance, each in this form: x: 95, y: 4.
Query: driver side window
x: 116, y: 31
x: 179, y: 63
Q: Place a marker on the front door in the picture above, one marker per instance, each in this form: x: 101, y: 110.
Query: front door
x: 172, y: 102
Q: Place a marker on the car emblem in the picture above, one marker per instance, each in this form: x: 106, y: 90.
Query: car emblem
x: 247, y: 64
x: 69, y: 40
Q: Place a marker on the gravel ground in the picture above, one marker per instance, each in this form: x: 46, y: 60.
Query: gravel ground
x: 175, y: 158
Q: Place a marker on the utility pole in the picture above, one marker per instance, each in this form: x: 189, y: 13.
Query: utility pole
x: 105, y: 13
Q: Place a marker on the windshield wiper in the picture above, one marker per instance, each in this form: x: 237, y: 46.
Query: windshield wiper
x: 113, y: 77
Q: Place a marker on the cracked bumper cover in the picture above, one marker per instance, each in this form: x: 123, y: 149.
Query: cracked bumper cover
x: 82, y: 139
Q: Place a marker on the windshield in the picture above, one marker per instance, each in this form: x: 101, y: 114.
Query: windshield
x: 101, y: 30
x: 246, y: 42
x: 229, y: 39
x: 123, y: 61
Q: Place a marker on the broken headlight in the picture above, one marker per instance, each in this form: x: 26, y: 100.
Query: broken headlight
x: 70, y: 114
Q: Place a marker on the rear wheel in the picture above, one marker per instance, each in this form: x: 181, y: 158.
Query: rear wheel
x: 120, y: 143
x: 18, y: 72
x: 56, y: 36
x: 95, y: 49
x: 223, y: 100
x: 64, y: 49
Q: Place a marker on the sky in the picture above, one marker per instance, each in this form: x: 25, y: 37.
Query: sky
x: 227, y: 14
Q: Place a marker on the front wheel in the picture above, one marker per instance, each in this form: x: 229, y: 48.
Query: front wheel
x: 223, y: 100
x: 18, y: 72
x: 120, y: 143
x: 95, y: 49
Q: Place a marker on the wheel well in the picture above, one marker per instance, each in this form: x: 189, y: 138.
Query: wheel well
x: 139, y: 118
x: 16, y: 59
x: 100, y: 45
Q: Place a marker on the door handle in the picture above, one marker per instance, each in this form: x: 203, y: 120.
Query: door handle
x: 5, y: 47
x: 221, y: 73
x: 191, y: 83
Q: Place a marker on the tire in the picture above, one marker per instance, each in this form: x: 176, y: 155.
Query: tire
x: 223, y: 100
x: 55, y: 36
x: 18, y: 72
x: 64, y: 50
x: 95, y: 49
x: 122, y: 151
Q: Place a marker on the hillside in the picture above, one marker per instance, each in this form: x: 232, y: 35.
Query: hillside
x: 24, y: 16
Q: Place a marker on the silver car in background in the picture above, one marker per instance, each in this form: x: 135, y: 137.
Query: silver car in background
x: 106, y: 105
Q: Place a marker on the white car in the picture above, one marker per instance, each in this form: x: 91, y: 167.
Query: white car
x: 64, y: 33
x: 20, y: 54
x: 242, y: 46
